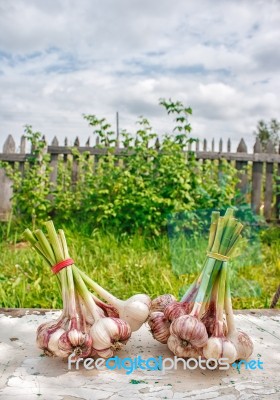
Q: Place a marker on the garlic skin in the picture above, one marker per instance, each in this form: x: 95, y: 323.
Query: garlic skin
x: 181, y: 348
x: 190, y: 329
x: 175, y: 310
x: 159, y: 326
x: 243, y: 344
x: 108, y: 309
x: 220, y: 347
x: 77, y: 342
x: 53, y: 344
x: 108, y: 335
x: 76, y: 337
x: 45, y: 330
x: 161, y: 302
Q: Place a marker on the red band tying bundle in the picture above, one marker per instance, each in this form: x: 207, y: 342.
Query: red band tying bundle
x: 62, y: 264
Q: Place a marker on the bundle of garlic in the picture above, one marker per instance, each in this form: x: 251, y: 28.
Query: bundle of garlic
x: 87, y: 326
x: 202, y: 323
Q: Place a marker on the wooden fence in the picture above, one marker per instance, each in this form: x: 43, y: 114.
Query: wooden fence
x: 259, y: 171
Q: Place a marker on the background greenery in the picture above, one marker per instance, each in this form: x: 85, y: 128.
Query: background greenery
x: 137, y: 223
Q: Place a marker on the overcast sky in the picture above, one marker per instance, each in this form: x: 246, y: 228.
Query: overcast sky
x: 62, y: 58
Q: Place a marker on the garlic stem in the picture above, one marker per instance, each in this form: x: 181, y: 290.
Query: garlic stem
x: 85, y: 294
x: 46, y: 247
x: 188, y: 296
x: 70, y: 287
x: 213, y: 228
x: 203, y: 286
x: 228, y: 310
x: 99, y: 289
x: 218, y: 236
x: 54, y: 241
x: 221, y: 292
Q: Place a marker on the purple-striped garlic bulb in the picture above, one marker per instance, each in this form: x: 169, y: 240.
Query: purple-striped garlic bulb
x: 161, y: 302
x: 175, y: 310
x: 190, y: 329
x: 182, y: 348
x: 159, y: 326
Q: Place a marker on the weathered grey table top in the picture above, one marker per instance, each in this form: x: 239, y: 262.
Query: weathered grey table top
x: 25, y: 374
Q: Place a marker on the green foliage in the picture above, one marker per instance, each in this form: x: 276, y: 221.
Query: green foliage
x: 268, y: 131
x: 31, y: 190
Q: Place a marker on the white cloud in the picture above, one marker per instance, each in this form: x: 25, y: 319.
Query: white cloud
x: 59, y: 59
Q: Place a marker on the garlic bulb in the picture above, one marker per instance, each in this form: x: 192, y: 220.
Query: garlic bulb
x: 220, y: 347
x: 135, y: 310
x: 87, y: 313
x: 190, y: 329
x: 182, y: 348
x: 109, y: 334
x: 243, y: 344
x: 46, y: 329
x: 159, y: 326
x: 175, y: 310
x: 81, y: 342
x: 209, y: 319
x: 160, y: 303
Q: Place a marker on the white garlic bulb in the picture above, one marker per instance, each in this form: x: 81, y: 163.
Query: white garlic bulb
x: 220, y: 347
x: 108, y: 335
x: 243, y: 344
x: 135, y: 310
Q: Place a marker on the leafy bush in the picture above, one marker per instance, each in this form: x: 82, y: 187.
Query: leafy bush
x: 31, y: 190
x: 148, y: 186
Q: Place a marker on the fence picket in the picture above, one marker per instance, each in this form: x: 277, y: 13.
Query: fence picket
x: 204, y: 145
x: 228, y: 146
x: 22, y: 150
x: 75, y: 163
x: 55, y: 141
x: 268, y: 184
x: 157, y: 144
x: 95, y: 162
x: 221, y: 146
x: 257, y: 180
x: 6, y: 191
x: 54, y: 163
x: 278, y: 190
x: 241, y: 167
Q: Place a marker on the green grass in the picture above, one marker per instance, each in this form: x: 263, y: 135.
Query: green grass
x: 130, y: 265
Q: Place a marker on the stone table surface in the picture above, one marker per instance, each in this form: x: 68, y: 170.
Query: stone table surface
x: 26, y: 374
